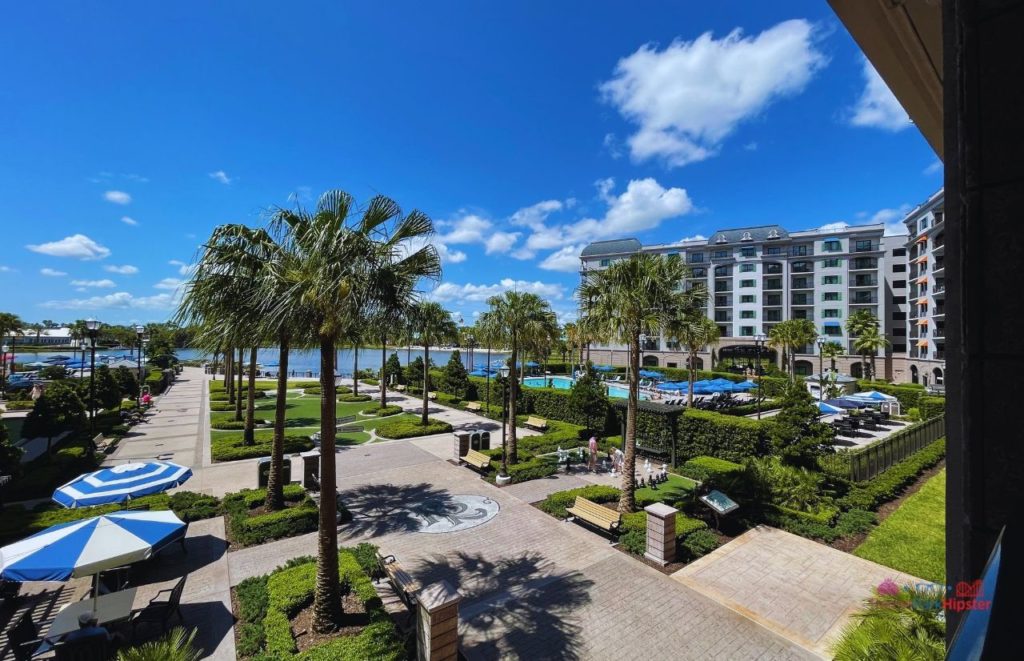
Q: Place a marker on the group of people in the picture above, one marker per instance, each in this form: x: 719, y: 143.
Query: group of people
x: 614, y: 454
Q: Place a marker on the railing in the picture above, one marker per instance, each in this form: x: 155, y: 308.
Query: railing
x: 938, y: 311
x: 865, y: 282
x: 867, y: 463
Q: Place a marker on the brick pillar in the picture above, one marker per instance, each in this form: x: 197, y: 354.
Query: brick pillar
x: 437, y: 625
x: 661, y: 533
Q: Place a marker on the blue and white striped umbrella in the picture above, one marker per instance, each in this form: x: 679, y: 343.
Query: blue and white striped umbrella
x: 121, y: 483
x: 89, y: 546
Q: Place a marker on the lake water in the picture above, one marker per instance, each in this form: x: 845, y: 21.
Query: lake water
x: 300, y: 361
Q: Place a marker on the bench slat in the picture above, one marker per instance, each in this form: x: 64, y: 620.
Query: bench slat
x: 595, y: 514
x: 478, y: 459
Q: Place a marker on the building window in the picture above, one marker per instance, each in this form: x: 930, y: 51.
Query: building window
x: 864, y: 245
x: 746, y: 331
x: 832, y: 263
x: 772, y: 283
x: 719, y: 254
x: 773, y: 299
x: 802, y: 267
x: 899, y: 252
x: 748, y: 298
x: 832, y: 331
x: 724, y: 331
x: 799, y: 251
x: 695, y: 257
x: 865, y: 263
x: 673, y: 255
x: 832, y: 245
x: 748, y: 314
x: 800, y: 314
x: 899, y: 284
x: 773, y: 250
x: 748, y: 283
x: 723, y: 271
x: 723, y: 315
x: 700, y: 273
x: 900, y: 331
x: 831, y: 280
x: 831, y: 313
x: 899, y: 268
x: 801, y: 283
x: 899, y: 300
x: 899, y: 348
x: 723, y: 285
x: 899, y: 316
x: 721, y: 301
x: 748, y: 251
x: 773, y: 315
x: 832, y: 296
x: 605, y: 262
x: 748, y: 268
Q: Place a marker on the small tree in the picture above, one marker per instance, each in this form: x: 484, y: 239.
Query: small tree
x: 393, y: 368
x: 54, y: 373
x: 797, y: 435
x: 108, y: 392
x: 414, y: 373
x: 588, y: 401
x: 58, y: 408
x: 456, y: 380
x: 126, y: 382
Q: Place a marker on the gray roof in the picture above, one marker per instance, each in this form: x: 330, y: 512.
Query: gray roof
x: 749, y: 235
x: 615, y: 247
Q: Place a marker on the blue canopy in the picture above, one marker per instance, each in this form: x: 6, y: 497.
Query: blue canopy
x: 532, y: 363
x: 829, y: 409
x: 481, y: 372
x: 89, y: 546
x: 121, y: 483
x: 650, y: 374
x: 746, y: 385
x: 56, y: 359
x: 872, y: 396
x: 275, y: 364
x: 604, y: 368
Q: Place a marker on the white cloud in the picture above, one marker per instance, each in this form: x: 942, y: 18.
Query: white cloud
x: 474, y: 229
x: 117, y: 197
x: 750, y: 146
x: 119, y: 300
x: 99, y: 284
x: 52, y: 273
x: 934, y: 167
x: 6, y: 269
x: 76, y: 245
x: 107, y: 177
x: 127, y: 269
x: 834, y: 227
x: 534, y: 215
x: 695, y: 237
x: 128, y: 220
x: 611, y: 143
x: 183, y: 268
x: 877, y: 107
x: 447, y: 291
x: 893, y: 219
x: 221, y: 176
x: 566, y: 260
x: 169, y: 283
x: 687, y: 98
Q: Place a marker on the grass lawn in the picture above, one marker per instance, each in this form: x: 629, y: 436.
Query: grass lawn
x: 677, y: 488
x: 913, y: 538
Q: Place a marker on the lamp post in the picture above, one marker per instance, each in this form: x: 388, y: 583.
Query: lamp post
x: 487, y: 370
x: 504, y: 371
x: 759, y: 341
x: 470, y: 343
x: 643, y: 342
x: 140, y: 331
x: 83, y: 344
x: 93, y: 327
x: 822, y: 340
x: 3, y: 374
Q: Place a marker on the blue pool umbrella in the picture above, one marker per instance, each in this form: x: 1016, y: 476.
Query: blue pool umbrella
x: 670, y: 386
x: 480, y: 372
x: 56, y: 359
x: 828, y: 409
x: 604, y: 368
x: 271, y: 364
x: 872, y: 396
x: 89, y: 546
x: 650, y: 374
x: 745, y: 385
x: 845, y: 403
x: 121, y: 483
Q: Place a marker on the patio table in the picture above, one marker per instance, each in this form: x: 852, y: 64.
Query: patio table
x: 107, y: 608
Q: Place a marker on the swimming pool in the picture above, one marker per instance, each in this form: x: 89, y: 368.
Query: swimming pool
x: 556, y: 382
x: 623, y: 393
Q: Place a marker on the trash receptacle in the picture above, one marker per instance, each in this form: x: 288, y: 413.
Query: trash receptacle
x: 263, y: 471
x: 461, y: 444
x: 311, y: 469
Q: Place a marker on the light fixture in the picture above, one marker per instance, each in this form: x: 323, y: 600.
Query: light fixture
x: 504, y: 371
x: 92, y: 324
x: 140, y: 329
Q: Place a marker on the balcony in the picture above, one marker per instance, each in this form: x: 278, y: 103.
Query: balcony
x: 802, y: 314
x: 771, y: 284
x: 801, y: 268
x: 939, y: 311
x: 861, y: 264
x: 723, y: 317
x: 773, y: 316
x: 773, y: 301
x: 940, y: 290
x: 864, y: 247
x: 869, y: 299
x: 802, y: 283
x: 864, y: 281
x: 773, y: 269
x: 803, y: 300
x: 723, y: 301
x: 722, y: 287
x: 720, y: 257
x: 940, y: 355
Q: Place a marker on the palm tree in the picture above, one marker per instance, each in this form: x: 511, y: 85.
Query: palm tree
x: 38, y: 328
x: 632, y: 297
x: 869, y: 343
x: 521, y: 321
x: 859, y: 322
x: 434, y: 324
x: 791, y: 335
x: 831, y: 351
x: 693, y: 331
x: 571, y: 331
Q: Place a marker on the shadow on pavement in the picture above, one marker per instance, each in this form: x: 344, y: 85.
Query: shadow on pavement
x: 379, y: 509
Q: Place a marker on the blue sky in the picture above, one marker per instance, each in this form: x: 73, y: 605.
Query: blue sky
x: 525, y: 130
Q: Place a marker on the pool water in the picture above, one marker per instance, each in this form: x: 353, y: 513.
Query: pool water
x: 556, y: 382
x: 623, y: 393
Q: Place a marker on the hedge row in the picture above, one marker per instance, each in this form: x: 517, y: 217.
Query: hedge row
x: 382, y: 412
x: 411, y: 428
x: 707, y: 433
x: 703, y: 468
x: 888, y: 485
x: 300, y: 515
x: 931, y: 407
x: 233, y: 448
x: 908, y: 394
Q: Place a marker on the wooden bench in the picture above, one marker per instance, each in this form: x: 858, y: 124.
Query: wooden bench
x: 400, y: 388
x: 596, y: 515
x: 476, y: 459
x: 99, y: 443
x: 431, y: 395
x: 404, y: 584
x: 475, y: 406
x: 533, y: 422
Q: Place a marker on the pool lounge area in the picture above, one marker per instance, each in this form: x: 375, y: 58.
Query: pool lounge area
x: 565, y: 383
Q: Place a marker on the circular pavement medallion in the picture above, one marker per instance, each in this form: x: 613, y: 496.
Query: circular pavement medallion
x: 453, y: 513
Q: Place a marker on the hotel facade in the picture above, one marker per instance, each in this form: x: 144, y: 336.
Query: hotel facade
x: 757, y: 277
x: 926, y: 321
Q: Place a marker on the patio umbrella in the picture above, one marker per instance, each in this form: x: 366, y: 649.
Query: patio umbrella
x: 480, y: 372
x: 38, y: 363
x: 89, y: 546
x: 828, y: 409
x: 872, y: 396
x: 673, y: 386
x: 532, y: 363
x: 57, y: 359
x: 121, y: 483
x: 845, y: 403
x: 650, y: 374
x: 604, y: 368
x: 745, y: 385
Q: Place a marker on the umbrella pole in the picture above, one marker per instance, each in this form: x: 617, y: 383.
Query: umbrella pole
x: 95, y: 590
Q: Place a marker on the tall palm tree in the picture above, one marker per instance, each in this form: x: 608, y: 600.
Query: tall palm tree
x: 832, y: 350
x: 521, y: 321
x: 693, y: 331
x: 632, y: 297
x: 869, y: 343
x: 860, y: 322
x: 434, y: 324
x: 791, y: 335
x: 571, y: 330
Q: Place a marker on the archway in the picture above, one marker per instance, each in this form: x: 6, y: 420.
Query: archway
x: 698, y: 362
x: 650, y: 361
x: 803, y: 368
x: 857, y: 370
x: 937, y: 373
x: 913, y: 374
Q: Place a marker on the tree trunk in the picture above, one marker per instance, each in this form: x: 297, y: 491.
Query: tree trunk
x: 229, y: 379
x: 327, y: 598
x: 426, y: 381
x: 383, y: 371
x: 626, y: 501
x: 488, y: 370
x: 693, y: 377
x: 355, y: 369
x: 249, y: 435
x: 275, y: 481
x: 513, y: 445
x: 238, y: 388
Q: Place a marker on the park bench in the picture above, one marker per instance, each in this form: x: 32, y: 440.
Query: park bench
x: 431, y: 396
x: 533, y: 422
x: 345, y: 425
x: 404, y: 584
x: 476, y: 459
x: 596, y: 515
x: 400, y: 388
x: 99, y: 443
x: 475, y: 407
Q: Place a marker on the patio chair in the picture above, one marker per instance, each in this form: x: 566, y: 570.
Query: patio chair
x: 160, y: 609
x: 24, y: 637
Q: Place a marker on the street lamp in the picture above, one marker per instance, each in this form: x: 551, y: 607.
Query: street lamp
x: 3, y: 374
x: 643, y: 341
x: 470, y: 343
x: 93, y: 327
x: 759, y: 341
x: 504, y: 371
x: 140, y: 331
x: 822, y: 341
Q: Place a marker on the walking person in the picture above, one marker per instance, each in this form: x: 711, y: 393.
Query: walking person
x: 593, y: 454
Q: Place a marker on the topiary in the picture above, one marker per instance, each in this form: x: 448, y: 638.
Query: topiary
x: 699, y: 543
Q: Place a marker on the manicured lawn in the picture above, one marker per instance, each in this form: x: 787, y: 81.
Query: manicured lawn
x: 913, y: 538
x: 677, y: 488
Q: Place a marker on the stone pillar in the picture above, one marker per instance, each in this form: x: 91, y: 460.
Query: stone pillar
x: 661, y: 533
x: 437, y: 622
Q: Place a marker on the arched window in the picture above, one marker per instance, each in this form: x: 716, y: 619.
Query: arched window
x: 650, y: 361
x: 913, y: 374
x: 856, y: 370
x: 937, y: 373
x: 803, y: 367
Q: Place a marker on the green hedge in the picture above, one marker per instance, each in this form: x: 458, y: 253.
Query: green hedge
x: 226, y: 424
x: 909, y: 394
x: 392, y: 409
x: 556, y: 503
x: 300, y: 515
x: 411, y: 428
x: 931, y: 407
x: 888, y: 485
x: 233, y: 448
x: 702, y: 468
x: 706, y: 433
x: 533, y: 469
x: 20, y: 405
x: 353, y: 398
x: 221, y: 405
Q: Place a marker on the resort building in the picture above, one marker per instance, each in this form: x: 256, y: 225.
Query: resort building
x: 926, y: 321
x: 757, y: 277
x: 49, y: 337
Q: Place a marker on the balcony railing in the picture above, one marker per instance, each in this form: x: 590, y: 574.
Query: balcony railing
x: 938, y: 312
x: 773, y: 269
x: 802, y: 283
x: 802, y: 300
x: 864, y: 300
x: 863, y: 264
x: 865, y: 282
x: 772, y: 284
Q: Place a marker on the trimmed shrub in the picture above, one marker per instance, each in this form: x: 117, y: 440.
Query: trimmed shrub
x: 855, y: 521
x: 633, y: 532
x: 699, y: 543
x: 371, y: 382
x: 931, y: 406
x: 300, y: 516
x: 556, y: 503
x: 706, y: 433
x: 888, y: 485
x: 412, y: 428
x: 702, y: 468
x: 20, y: 405
x: 313, y: 390
x: 221, y: 405
x: 227, y: 424
x: 192, y: 506
x: 392, y: 409
x: 233, y: 448
x: 348, y: 398
x: 533, y: 469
